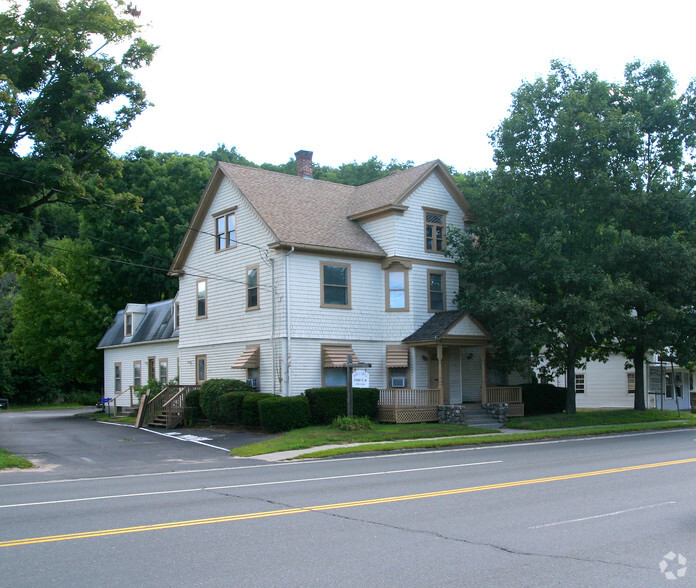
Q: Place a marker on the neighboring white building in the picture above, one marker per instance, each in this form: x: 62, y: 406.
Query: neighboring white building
x: 609, y: 385
x: 140, y: 345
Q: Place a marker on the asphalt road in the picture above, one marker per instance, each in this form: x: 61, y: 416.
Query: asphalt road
x: 609, y: 511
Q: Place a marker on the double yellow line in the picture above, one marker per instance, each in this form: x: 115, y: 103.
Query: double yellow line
x: 322, y: 507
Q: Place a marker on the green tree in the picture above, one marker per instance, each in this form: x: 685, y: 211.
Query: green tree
x: 653, y: 258
x: 541, y: 223
x: 59, y: 315
x: 63, y: 100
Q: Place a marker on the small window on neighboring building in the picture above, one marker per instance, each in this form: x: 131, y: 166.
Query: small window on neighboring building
x: 201, y: 298
x: 579, y: 383
x: 253, y: 377
x: 397, y: 290
x: 436, y: 291
x: 225, y: 231
x: 137, y: 373
x: 631, y: 382
x: 201, y: 370
x: 335, y: 285
x: 669, y: 386
x: 128, y: 329
x: 334, y: 376
x: 163, y: 371
x: 117, y: 377
x: 252, y: 281
x: 151, y: 369
x: 435, y: 230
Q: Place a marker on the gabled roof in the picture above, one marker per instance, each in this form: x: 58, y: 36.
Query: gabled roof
x: 395, y: 188
x: 454, y: 326
x: 314, y: 215
x: 156, y: 325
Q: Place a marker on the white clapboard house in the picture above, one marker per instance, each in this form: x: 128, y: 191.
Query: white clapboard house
x: 282, y: 277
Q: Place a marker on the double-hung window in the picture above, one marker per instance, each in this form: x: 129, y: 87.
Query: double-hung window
x: 397, y: 290
x: 163, y: 371
x: 137, y: 373
x: 252, y: 287
x: 225, y: 231
x: 335, y: 285
x: 128, y: 328
x: 117, y: 377
x: 436, y: 291
x: 201, y: 298
x: 435, y: 230
x: 579, y: 383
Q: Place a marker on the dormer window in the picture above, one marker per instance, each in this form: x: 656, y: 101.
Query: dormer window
x: 225, y: 230
x: 435, y: 230
x: 128, y: 325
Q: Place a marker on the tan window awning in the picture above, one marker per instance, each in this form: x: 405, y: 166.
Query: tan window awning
x: 397, y: 356
x: 336, y: 355
x: 248, y: 359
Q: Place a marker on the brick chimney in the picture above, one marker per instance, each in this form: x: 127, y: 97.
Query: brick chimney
x: 304, y: 164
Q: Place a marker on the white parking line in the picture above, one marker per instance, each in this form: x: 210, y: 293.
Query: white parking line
x: 601, y: 516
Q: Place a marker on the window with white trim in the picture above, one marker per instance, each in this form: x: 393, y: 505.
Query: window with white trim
x: 128, y: 326
x: 631, y: 382
x: 579, y: 383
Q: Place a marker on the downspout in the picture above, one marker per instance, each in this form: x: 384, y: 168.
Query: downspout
x: 273, y: 320
x: 287, y: 321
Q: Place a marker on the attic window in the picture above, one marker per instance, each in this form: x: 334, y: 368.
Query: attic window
x: 128, y: 326
x: 435, y: 230
x: 225, y: 231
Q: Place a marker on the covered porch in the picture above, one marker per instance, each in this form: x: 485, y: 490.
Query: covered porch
x: 449, y: 366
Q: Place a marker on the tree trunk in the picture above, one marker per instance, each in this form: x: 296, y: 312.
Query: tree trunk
x: 639, y: 365
x: 570, y: 379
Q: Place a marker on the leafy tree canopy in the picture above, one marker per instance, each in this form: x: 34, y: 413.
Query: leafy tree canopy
x: 63, y: 99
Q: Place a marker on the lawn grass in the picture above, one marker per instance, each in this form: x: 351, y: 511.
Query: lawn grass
x: 593, y: 418
x: 432, y: 435
x: 107, y: 418
x: 56, y: 406
x: 499, y: 438
x: 316, y: 436
x: 7, y: 460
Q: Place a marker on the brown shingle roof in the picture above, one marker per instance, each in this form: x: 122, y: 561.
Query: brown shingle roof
x: 301, y: 211
x: 314, y: 214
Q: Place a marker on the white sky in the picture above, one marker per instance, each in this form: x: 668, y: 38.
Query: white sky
x: 395, y: 79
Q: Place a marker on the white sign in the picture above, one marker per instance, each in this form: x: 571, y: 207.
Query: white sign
x: 361, y: 379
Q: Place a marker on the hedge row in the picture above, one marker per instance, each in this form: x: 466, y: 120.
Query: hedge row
x: 233, y: 402
x: 325, y: 404
x: 543, y: 399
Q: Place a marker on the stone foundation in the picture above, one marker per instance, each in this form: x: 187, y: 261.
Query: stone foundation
x: 498, y: 410
x: 451, y: 414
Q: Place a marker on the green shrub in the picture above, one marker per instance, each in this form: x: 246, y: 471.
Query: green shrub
x: 230, y: 408
x: 346, y: 423
x: 84, y: 398
x: 283, y: 413
x: 193, y: 407
x: 543, y: 399
x: 211, y: 390
x: 152, y: 385
x: 326, y: 404
x: 250, y: 409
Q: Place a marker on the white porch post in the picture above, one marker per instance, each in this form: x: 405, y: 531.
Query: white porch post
x: 440, y: 390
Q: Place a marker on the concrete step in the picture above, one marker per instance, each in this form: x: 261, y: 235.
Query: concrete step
x: 481, y: 418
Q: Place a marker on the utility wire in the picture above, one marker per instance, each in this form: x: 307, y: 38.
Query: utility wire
x: 264, y: 253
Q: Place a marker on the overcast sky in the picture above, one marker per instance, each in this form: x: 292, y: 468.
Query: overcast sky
x: 396, y: 79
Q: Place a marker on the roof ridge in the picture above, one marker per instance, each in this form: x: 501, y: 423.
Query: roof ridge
x: 284, y: 175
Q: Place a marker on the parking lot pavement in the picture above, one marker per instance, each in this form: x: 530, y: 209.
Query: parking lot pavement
x: 70, y: 446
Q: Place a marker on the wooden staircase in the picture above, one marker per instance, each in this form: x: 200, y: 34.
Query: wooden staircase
x: 166, y: 409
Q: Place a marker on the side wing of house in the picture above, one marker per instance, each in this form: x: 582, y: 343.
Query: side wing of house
x: 228, y: 300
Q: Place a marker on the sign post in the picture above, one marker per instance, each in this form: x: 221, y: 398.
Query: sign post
x: 349, y: 382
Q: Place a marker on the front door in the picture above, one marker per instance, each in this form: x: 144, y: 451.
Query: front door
x: 433, y: 373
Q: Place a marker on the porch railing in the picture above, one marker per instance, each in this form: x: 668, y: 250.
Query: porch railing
x: 127, y: 390
x: 506, y: 394
x: 511, y: 395
x: 408, y: 405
